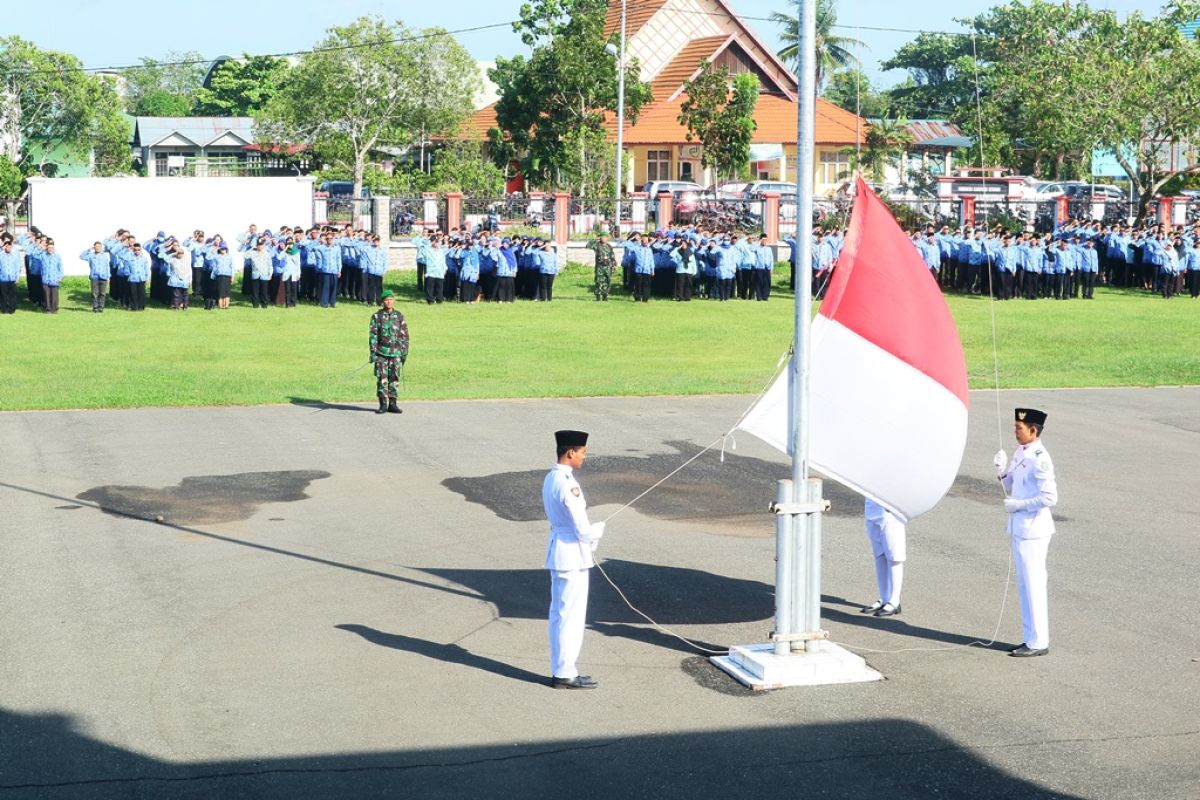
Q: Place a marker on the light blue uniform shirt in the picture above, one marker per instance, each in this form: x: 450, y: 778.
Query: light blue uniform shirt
x: 99, y: 264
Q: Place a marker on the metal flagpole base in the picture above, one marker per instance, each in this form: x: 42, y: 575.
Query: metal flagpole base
x: 757, y: 666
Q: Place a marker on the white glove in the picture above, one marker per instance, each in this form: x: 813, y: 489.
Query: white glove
x: 1013, y: 505
x: 597, y: 530
x: 1000, y: 462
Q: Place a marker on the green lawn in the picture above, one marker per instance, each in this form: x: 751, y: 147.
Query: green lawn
x: 571, y: 347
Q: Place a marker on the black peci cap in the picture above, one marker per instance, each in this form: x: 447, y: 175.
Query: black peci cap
x: 1031, y: 416
x: 567, y: 439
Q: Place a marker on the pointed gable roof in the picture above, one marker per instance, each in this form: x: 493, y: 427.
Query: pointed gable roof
x: 637, y: 14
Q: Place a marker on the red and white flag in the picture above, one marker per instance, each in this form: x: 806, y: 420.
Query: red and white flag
x: 888, y: 384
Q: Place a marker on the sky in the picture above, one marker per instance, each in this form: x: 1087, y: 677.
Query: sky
x: 100, y: 36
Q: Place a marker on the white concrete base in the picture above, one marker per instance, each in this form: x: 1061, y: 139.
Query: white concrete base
x: 757, y: 666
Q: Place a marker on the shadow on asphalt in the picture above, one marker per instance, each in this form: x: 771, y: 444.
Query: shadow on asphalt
x: 51, y: 756
x: 448, y: 653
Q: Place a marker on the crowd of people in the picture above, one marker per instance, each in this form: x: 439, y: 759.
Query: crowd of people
x: 320, y: 264
x: 325, y: 263
x: 1065, y: 264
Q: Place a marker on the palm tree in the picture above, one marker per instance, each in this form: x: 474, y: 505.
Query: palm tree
x: 833, y: 52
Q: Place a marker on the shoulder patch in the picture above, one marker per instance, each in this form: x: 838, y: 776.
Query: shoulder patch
x: 1038, y: 452
x: 575, y: 491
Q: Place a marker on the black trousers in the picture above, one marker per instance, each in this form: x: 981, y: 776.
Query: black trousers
x: 50, y: 299
x: 118, y: 289
x: 433, y: 290
x: 762, y: 284
x: 467, y: 291
x: 372, y: 288
x: 1193, y: 282
x: 137, y: 295
x: 34, y: 284
x: 179, y: 297
x: 258, y: 293
x: 1006, y: 285
x: 546, y: 287
x: 724, y: 288
x: 490, y: 285
x: 327, y: 291
x: 308, y: 283
x: 1089, y: 283
x: 450, y: 285
x: 420, y: 274
x: 290, y: 291
x: 641, y: 286
x: 8, y: 297
x: 683, y: 287
x: 506, y: 289
x: 744, y: 279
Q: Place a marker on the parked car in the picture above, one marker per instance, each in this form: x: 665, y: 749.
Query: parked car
x: 756, y: 189
x: 1100, y: 192
x: 342, y: 190
x: 655, y: 188
x: 728, y: 190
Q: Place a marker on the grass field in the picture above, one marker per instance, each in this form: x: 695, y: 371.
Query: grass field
x: 571, y: 347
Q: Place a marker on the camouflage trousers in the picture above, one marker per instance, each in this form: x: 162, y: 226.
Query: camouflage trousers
x: 603, y: 282
x: 387, y: 376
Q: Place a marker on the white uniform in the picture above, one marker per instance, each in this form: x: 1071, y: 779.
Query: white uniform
x: 568, y: 557
x: 886, y: 534
x: 1030, y: 479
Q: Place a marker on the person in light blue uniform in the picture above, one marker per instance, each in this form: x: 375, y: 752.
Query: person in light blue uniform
x: 931, y: 254
x: 99, y: 272
x: 822, y: 264
x: 727, y: 261
x: 643, y: 270
x: 291, y: 273
x: 469, y: 270
x: 52, y: 274
x: 1064, y: 263
x: 328, y: 266
x: 547, y: 264
x: 11, y: 262
x: 764, y: 265
x: 506, y: 272
x: 33, y: 243
x: 435, y: 272
x: 745, y: 266
x: 374, y: 262
x: 1089, y: 268
x: 1034, y: 264
x: 139, y: 266
x: 1169, y: 269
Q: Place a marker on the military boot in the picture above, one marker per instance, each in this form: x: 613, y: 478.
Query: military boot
x: 392, y: 408
x: 383, y: 404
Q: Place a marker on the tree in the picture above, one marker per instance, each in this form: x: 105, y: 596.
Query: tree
x: 179, y: 74
x: 833, y: 52
x: 241, y: 88
x: 884, y: 143
x: 554, y: 104
x: 851, y: 89
x: 941, y: 82
x: 161, y: 103
x: 721, y: 117
x: 461, y: 167
x: 363, y: 88
x: 48, y: 103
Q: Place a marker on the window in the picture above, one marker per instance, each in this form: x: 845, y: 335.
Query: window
x: 658, y: 165
x: 833, y: 164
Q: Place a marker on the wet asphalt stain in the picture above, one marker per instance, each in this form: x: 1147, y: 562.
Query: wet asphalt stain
x: 1186, y: 423
x: 728, y: 498
x: 205, y: 499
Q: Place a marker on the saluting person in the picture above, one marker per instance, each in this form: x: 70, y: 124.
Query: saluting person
x: 1028, y: 479
x: 568, y: 557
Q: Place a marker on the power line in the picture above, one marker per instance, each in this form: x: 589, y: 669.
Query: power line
x: 195, y: 62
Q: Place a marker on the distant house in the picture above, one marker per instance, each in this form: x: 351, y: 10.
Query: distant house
x: 672, y: 40
x: 198, y: 146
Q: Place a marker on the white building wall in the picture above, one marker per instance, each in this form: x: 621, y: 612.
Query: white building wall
x: 78, y: 211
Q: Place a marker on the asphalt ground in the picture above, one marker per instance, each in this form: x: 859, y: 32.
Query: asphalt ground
x: 315, y: 601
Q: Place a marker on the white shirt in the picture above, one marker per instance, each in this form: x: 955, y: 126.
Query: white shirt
x: 1030, y: 478
x: 572, y: 537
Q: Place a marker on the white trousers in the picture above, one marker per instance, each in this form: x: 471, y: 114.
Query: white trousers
x: 1030, y: 555
x: 568, y: 609
x: 887, y: 537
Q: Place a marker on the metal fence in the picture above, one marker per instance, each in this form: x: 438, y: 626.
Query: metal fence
x: 408, y: 215
x: 721, y: 215
x: 345, y: 210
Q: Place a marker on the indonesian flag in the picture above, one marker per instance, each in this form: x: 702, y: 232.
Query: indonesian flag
x: 888, y: 384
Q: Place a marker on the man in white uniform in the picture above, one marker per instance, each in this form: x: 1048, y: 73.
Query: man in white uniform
x: 568, y: 557
x: 886, y: 533
x: 1029, y: 481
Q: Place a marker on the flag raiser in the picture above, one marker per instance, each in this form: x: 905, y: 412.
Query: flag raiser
x: 888, y: 382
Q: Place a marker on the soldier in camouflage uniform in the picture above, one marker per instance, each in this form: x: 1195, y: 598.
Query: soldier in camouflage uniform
x: 605, y: 261
x: 389, y: 351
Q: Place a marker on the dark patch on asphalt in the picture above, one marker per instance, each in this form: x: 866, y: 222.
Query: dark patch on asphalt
x: 702, y: 671
x: 1184, y: 423
x: 205, y: 499
x: 729, y: 498
x: 68, y: 508
x: 969, y: 487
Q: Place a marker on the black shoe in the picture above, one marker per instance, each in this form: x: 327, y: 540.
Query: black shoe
x: 888, y: 610
x: 578, y: 682
x: 382, y: 407
x: 1015, y: 648
x: 871, y: 609
x: 392, y: 408
x: 1024, y: 651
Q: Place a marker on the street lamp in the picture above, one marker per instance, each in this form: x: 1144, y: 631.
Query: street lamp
x: 619, y: 55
